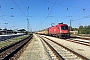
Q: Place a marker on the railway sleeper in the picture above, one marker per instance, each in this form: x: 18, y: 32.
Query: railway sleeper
x: 78, y: 57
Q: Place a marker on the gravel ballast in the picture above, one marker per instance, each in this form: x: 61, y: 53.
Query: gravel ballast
x: 34, y: 51
x: 81, y: 49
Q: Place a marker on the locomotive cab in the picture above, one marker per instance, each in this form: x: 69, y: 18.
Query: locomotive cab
x: 64, y: 31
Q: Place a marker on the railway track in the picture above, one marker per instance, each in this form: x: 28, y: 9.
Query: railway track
x: 79, y: 41
x: 13, y: 51
x: 80, y: 37
x: 62, y: 52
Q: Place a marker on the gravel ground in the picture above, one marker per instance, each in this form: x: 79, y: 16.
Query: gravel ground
x: 34, y: 51
x: 81, y: 49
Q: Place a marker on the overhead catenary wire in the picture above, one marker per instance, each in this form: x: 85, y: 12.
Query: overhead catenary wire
x: 88, y: 16
x: 24, y: 14
x: 4, y: 15
x: 49, y: 12
x: 64, y: 4
x: 19, y: 8
x: 68, y: 8
x: 75, y: 12
x: 28, y: 23
x: 23, y: 4
x: 7, y: 21
x: 27, y: 8
x: 80, y: 8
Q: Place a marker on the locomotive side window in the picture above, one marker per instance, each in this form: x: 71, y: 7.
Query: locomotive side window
x: 64, y: 27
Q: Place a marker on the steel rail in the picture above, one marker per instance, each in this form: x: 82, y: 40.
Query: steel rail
x: 9, y: 51
x: 54, y: 51
x: 80, y: 37
x: 79, y: 42
x: 77, y: 54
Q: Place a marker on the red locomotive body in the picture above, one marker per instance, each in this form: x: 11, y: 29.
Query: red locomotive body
x: 61, y: 30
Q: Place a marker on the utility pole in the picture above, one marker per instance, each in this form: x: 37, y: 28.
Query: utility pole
x: 70, y: 24
x: 28, y: 20
x: 28, y: 25
x: 6, y: 28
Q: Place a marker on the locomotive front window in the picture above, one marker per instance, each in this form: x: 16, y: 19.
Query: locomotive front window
x: 64, y: 27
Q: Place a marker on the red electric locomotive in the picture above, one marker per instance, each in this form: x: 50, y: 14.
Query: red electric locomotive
x: 61, y: 30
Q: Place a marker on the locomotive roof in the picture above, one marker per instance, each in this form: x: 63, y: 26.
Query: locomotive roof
x: 61, y: 24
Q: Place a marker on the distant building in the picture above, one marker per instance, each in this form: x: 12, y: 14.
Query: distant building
x: 74, y: 32
x: 4, y: 32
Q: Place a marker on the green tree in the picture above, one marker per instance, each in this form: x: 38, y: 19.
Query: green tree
x: 80, y: 29
x: 84, y: 29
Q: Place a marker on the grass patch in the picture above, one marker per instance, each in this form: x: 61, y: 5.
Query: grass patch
x: 10, y: 41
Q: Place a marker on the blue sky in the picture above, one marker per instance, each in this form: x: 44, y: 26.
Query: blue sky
x: 41, y: 13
